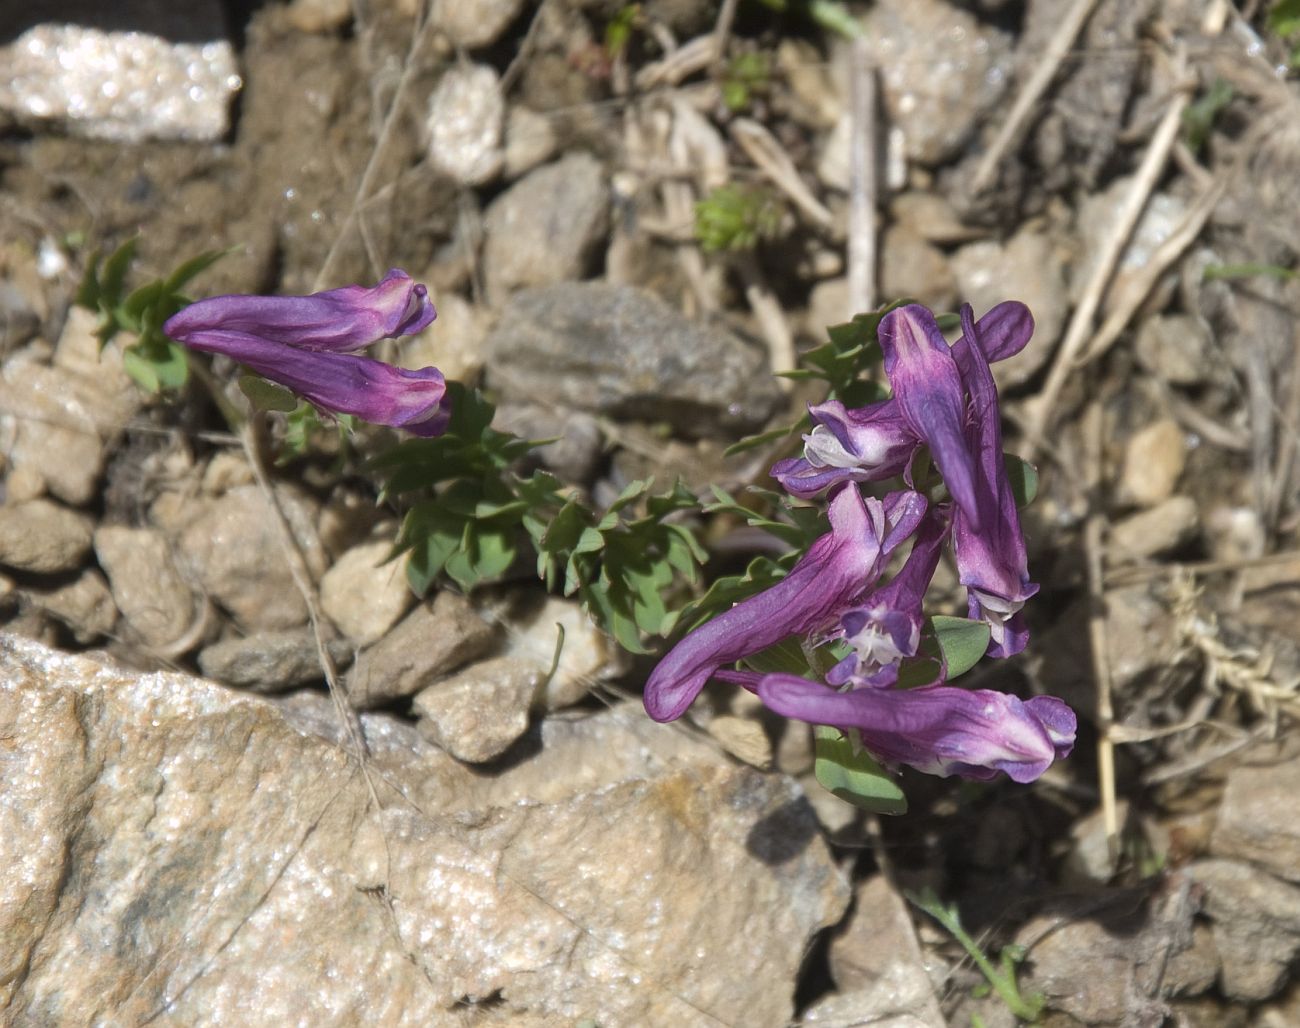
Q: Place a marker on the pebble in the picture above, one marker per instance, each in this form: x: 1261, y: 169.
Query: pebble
x: 475, y: 25
x: 270, y: 662
x: 364, y: 593
x: 477, y: 714
x: 578, y: 445
x: 932, y: 217
x: 530, y: 141
x: 742, y: 737
x: 547, y: 227
x: 43, y: 537
x: 465, y: 123
x: 1027, y: 267
x: 913, y: 268
x: 1153, y: 462
x: 433, y: 640
x: 85, y: 605
x: 1168, y: 525
x: 586, y: 658
x: 1176, y: 348
x: 622, y: 352
x: 1256, y: 819
x: 148, y: 589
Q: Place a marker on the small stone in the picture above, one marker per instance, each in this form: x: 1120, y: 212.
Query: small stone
x: 433, y: 640
x: 226, y: 471
x: 828, y: 305
x: 911, y: 267
x: 43, y: 537
x: 1176, y: 348
x: 834, y: 161
x: 85, y: 605
x: 1256, y: 819
x: 235, y: 551
x: 624, y: 353
x: 1091, y: 860
x: 942, y: 72
x: 744, y: 738
x: 148, y: 590
x: 465, y: 123
x: 586, y: 658
x: 1153, y: 463
x: 578, y: 440
x: 474, y: 25
x: 270, y: 662
x: 1027, y: 268
x: 547, y: 227
x: 365, y: 593
x: 319, y: 16
x: 817, y: 100
x: 1168, y: 525
x: 22, y: 484
x: 1255, y: 919
x: 478, y: 713
x: 530, y: 141
x: 932, y: 217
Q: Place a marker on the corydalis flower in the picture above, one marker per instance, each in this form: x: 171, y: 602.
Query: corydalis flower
x: 838, y: 569
x: 939, y: 729
x: 308, y: 344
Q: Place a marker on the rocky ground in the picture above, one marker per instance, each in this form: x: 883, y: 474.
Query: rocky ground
x: 188, y: 833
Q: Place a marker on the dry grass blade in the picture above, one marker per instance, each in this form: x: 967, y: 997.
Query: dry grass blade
x: 862, y: 182
x: 770, y: 156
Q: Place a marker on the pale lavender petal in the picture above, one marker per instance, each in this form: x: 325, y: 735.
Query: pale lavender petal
x: 837, y: 569
x: 938, y: 729
x: 343, y: 383
x: 930, y: 393
x: 864, y: 444
x: 340, y: 320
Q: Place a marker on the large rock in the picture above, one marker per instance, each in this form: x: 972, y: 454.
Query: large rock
x: 187, y: 852
x: 624, y: 353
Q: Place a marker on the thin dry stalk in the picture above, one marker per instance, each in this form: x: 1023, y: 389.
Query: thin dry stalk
x: 1284, y: 467
x: 1144, y: 182
x: 765, y: 151
x: 862, y: 182
x: 722, y: 31
x: 1057, y: 47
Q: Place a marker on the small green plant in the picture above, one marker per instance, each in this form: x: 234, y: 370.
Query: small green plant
x: 619, y: 29
x: 153, y: 360
x: 1001, y: 976
x: 829, y: 14
x: 737, y: 217
x: 1284, y: 21
x: 1199, y: 117
x: 745, y: 76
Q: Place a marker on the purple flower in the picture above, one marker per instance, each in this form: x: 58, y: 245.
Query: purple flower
x: 938, y: 729
x: 990, y: 547
x: 838, y: 569
x: 306, y: 343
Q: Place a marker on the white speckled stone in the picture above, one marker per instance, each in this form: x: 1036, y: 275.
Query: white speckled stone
x: 180, y: 852
x: 466, y: 122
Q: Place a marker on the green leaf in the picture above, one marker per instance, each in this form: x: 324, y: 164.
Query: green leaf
x: 194, y: 267
x: 854, y: 776
x: 961, y: 641
x: 141, y: 369
x: 267, y: 396
x: 786, y: 657
x: 1284, y: 17
x: 1023, y: 477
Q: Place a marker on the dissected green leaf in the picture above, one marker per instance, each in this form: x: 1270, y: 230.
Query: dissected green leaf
x: 267, y: 396
x: 854, y: 776
x: 1023, y: 477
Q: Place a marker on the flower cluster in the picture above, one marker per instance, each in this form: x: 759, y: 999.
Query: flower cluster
x: 309, y: 344
x: 944, y: 399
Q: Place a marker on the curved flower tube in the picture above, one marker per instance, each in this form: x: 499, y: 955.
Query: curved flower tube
x: 939, y: 729
x: 305, y: 343
x: 835, y: 572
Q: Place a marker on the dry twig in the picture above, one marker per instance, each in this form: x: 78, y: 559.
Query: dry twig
x: 862, y: 182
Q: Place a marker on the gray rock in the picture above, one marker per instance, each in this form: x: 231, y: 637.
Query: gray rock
x: 877, y: 961
x: 122, y: 82
x: 433, y: 640
x: 932, y: 217
x: 1028, y: 268
x: 1153, y: 462
x: 1168, y: 525
x: 477, y: 714
x: 201, y: 852
x: 41, y: 536
x: 1176, y: 348
x: 941, y: 72
x: 234, y: 550
x: 147, y: 588
x: 547, y: 227
x: 1255, y: 919
x: 365, y: 593
x: 465, y: 124
x: 578, y: 441
x: 1256, y: 819
x: 622, y: 352
x: 474, y: 25
x: 530, y: 140
x: 270, y: 662
x: 85, y: 605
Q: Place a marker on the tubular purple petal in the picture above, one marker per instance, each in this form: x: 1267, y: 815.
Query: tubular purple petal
x: 941, y: 730
x: 344, y: 383
x: 338, y: 320
x: 930, y: 394
x: 837, y: 569
x: 1002, y: 333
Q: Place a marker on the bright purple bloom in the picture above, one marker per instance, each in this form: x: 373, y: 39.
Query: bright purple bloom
x: 939, y: 729
x: 990, y: 548
x: 838, y: 569
x: 306, y: 343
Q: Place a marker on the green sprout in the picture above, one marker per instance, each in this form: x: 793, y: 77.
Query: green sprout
x: 745, y: 75
x: 1199, y: 117
x: 618, y: 31
x: 829, y: 14
x: 736, y: 217
x: 1002, y: 976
